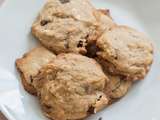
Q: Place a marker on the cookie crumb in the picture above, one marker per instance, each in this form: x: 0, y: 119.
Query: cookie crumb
x: 100, y: 118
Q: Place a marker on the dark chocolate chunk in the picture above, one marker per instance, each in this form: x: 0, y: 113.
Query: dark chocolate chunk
x: 80, y: 44
x: 91, y: 110
x: 99, y: 98
x: 31, y: 78
x: 47, y: 106
x: 44, y: 22
x: 92, y: 50
x: 64, y: 1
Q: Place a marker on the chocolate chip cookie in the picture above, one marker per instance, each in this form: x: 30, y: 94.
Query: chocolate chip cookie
x: 125, y: 51
x: 66, y: 26
x: 71, y: 87
x: 30, y: 64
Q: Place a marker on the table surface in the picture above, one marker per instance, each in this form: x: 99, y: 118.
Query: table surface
x: 1, y: 115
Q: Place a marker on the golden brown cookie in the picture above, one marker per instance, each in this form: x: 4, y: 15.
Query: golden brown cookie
x: 66, y: 26
x: 71, y: 87
x: 29, y: 65
x: 125, y: 51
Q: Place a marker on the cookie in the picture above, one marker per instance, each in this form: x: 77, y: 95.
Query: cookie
x: 117, y: 87
x: 125, y: 51
x: 66, y: 26
x: 71, y: 87
x: 29, y: 65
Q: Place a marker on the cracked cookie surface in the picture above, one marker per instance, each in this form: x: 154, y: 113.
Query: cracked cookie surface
x: 66, y: 26
x: 71, y: 87
x: 29, y: 65
x: 126, y: 52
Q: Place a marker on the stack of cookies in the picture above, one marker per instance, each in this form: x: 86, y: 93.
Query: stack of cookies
x: 85, y: 61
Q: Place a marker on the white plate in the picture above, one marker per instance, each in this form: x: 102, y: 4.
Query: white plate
x: 16, y: 17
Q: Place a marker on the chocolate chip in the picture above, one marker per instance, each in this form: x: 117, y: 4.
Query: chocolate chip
x: 116, y: 57
x: 105, y: 11
x: 64, y: 1
x: 31, y: 78
x: 91, y: 110
x: 80, y: 44
x: 44, y: 22
x: 47, y: 106
x: 87, y: 36
x: 99, y: 98
x: 92, y: 50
